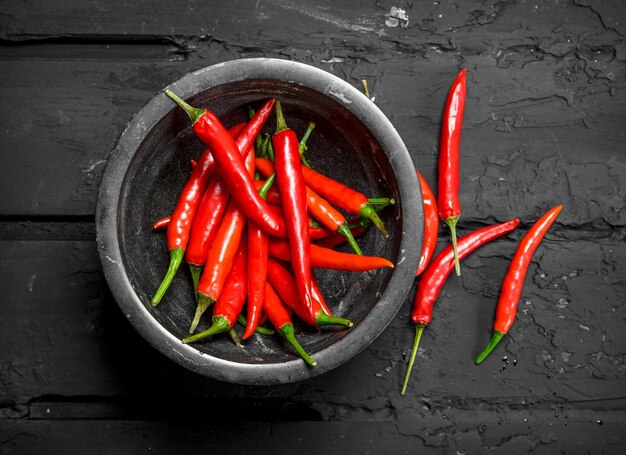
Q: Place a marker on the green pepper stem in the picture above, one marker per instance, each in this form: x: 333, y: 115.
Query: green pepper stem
x: 196, y: 271
x: 281, y: 125
x: 495, y: 339
x: 366, y: 91
x: 302, y: 145
x: 267, y: 185
x: 451, y: 222
x: 419, y: 329
x: 345, y: 231
x: 270, y: 150
x: 204, y: 302
x: 367, y: 211
x: 287, y: 331
x: 265, y: 144
x: 322, y: 318
x: 233, y: 336
x: 176, y: 258
x: 260, y: 329
x: 220, y: 325
x: 193, y: 112
x: 382, y: 201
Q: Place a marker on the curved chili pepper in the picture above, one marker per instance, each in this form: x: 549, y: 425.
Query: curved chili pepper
x: 260, y: 329
x: 219, y: 260
x: 285, y: 284
x: 343, y: 197
x: 317, y: 206
x: 293, y: 195
x: 331, y: 259
x: 162, y: 223
x: 180, y: 224
x: 437, y: 273
x: 514, y: 280
x: 279, y: 317
x: 431, y: 224
x: 232, y: 168
x: 207, y: 219
x: 449, y: 150
x: 231, y: 301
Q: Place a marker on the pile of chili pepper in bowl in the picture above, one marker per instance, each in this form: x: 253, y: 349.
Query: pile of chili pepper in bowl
x: 160, y: 170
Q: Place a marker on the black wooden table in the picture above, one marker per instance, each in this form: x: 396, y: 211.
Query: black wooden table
x: 544, y: 124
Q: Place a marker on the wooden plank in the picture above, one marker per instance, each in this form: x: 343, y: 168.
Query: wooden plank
x: 426, y: 432
x: 63, y: 336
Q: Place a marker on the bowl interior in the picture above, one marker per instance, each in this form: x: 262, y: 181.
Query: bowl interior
x: 340, y: 146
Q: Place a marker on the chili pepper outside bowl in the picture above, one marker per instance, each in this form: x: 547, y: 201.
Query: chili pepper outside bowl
x: 353, y: 142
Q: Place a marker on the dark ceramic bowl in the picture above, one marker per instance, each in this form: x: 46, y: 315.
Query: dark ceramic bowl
x: 353, y: 142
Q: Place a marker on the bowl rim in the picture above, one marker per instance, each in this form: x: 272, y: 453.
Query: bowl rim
x: 108, y: 203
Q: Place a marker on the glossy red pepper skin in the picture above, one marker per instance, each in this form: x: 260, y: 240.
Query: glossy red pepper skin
x: 208, y: 216
x: 513, y: 282
x: 258, y: 242
x: 449, y: 152
x: 280, y: 319
x: 331, y: 259
x: 284, y: 283
x: 431, y: 224
x: 219, y: 259
x: 317, y: 206
x: 231, y: 301
x: 436, y: 274
x: 317, y: 294
x: 336, y: 193
x: 293, y: 197
x: 231, y: 166
x: 435, y: 277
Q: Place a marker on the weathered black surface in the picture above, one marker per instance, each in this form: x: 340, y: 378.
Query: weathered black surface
x: 544, y: 124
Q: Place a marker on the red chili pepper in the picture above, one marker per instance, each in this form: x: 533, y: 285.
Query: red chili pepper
x: 162, y: 223
x: 208, y: 216
x: 331, y: 259
x: 431, y: 224
x: 449, y: 150
x: 232, y: 168
x: 180, y: 224
x: 257, y: 275
x: 334, y: 192
x: 513, y: 282
x: 293, y: 196
x: 285, y: 284
x: 317, y: 294
x: 219, y: 260
x: 317, y: 206
x: 435, y: 277
x: 231, y: 301
x: 279, y: 317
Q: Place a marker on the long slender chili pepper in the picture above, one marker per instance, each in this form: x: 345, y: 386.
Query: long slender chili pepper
x: 431, y: 224
x: 207, y: 219
x: 257, y: 273
x: 318, y: 207
x: 285, y: 284
x: 449, y: 150
x: 231, y: 301
x: 293, y: 195
x: 334, y: 192
x: 513, y: 282
x: 279, y: 317
x: 232, y: 168
x: 219, y: 260
x: 437, y: 273
x: 331, y: 259
x: 180, y: 224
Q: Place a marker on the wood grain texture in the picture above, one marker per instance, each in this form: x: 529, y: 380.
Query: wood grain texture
x: 544, y: 125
